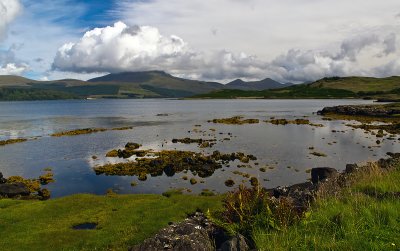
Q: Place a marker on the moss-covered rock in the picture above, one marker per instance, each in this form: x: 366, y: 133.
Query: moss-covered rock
x: 236, y: 120
x: 11, y: 141
x: 170, y: 162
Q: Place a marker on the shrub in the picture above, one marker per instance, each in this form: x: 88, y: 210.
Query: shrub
x: 246, y: 209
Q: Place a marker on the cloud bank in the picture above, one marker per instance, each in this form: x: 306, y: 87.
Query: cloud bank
x: 9, y: 65
x: 138, y: 48
x: 9, y: 10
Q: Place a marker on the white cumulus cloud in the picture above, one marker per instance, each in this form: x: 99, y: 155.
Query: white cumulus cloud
x: 121, y: 47
x: 9, y: 9
x: 13, y: 69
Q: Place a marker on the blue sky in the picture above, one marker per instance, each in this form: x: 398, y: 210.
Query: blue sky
x: 290, y: 41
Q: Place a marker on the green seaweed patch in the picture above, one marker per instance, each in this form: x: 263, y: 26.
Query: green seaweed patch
x: 390, y: 128
x: 203, y: 143
x: 122, y: 128
x: 112, y: 154
x: 169, y: 162
x: 244, y: 175
x: 88, y: 131
x: 193, y: 181
x: 11, y: 141
x: 78, y: 132
x: 292, y: 122
x: 318, y: 154
x: 46, y: 178
x: 236, y: 120
x: 32, y: 184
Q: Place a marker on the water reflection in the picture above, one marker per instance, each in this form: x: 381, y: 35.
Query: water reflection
x: 276, y: 147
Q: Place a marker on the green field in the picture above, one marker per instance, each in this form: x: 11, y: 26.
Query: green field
x: 123, y: 220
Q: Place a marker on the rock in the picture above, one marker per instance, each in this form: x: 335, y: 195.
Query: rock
x: 363, y: 110
x: 322, y: 173
x: 11, y: 190
x: 2, y: 179
x: 351, y: 168
x: 191, y: 234
x: 236, y: 243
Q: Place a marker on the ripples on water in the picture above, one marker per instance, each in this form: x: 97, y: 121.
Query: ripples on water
x: 276, y: 146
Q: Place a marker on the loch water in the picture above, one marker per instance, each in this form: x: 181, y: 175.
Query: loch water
x: 282, y: 150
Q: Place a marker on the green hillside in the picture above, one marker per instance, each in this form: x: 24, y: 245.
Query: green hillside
x: 152, y: 84
x: 350, y: 87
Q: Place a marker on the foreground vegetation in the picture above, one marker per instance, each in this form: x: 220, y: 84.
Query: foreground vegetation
x: 364, y: 216
x: 123, y: 220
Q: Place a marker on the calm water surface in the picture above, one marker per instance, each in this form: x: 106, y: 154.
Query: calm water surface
x: 277, y: 146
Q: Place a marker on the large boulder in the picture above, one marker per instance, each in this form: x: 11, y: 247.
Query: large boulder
x: 11, y: 190
x: 322, y: 174
x: 191, y: 234
x: 236, y: 243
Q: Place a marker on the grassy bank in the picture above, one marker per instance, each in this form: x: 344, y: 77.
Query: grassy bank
x: 364, y: 216
x: 123, y: 220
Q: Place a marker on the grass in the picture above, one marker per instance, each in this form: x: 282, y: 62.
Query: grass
x: 352, y: 220
x: 123, y: 220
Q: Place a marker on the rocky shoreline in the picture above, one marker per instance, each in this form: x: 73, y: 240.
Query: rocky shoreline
x: 363, y: 110
x: 198, y: 233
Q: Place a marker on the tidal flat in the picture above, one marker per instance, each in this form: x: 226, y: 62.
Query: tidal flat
x: 306, y: 141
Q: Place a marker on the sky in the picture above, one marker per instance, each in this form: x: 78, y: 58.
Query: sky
x: 220, y: 40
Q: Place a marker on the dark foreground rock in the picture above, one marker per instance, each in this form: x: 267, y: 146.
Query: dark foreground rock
x: 195, y: 233
x: 360, y: 110
x: 322, y: 174
x: 11, y: 190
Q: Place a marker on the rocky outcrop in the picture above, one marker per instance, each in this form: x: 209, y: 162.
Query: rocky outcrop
x: 360, y: 110
x: 11, y: 190
x: 322, y: 174
x: 194, y: 233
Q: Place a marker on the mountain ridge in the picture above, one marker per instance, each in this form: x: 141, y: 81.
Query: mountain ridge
x: 260, y: 85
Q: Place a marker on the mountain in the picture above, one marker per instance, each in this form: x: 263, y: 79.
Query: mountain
x: 158, y: 82
x: 382, y: 89
x: 264, y: 84
x: 149, y: 84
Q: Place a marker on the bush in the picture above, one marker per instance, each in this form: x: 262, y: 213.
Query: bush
x: 246, y: 209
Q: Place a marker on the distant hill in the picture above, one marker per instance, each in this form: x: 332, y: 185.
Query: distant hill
x: 158, y: 82
x: 384, y: 89
x: 10, y: 80
x: 150, y: 84
x: 255, y: 85
x: 359, y: 84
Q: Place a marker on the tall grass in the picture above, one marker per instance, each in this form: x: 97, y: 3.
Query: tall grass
x: 354, y: 219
